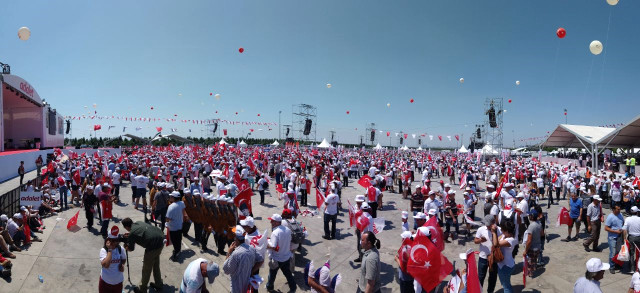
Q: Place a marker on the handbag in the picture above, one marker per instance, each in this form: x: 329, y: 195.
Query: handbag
x: 495, y: 256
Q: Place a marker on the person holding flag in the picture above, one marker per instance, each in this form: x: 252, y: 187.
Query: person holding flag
x: 242, y: 262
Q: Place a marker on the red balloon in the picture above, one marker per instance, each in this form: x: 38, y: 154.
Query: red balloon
x: 211, y: 94
x: 561, y: 33
x: 151, y: 108
x: 565, y: 113
x: 347, y: 112
x: 175, y: 115
x: 241, y: 50
x: 236, y: 113
x: 216, y: 112
x: 258, y: 115
x: 411, y: 100
x: 509, y: 100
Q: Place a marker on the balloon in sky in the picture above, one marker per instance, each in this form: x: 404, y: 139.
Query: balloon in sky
x: 517, y: 82
x: 236, y: 113
x: 95, y: 105
x: 328, y: 85
x: 180, y: 94
x: 509, y: 100
x: 505, y: 110
x: 241, y: 50
x: 561, y: 33
x: 24, y: 33
x: 595, y: 47
x: 258, y: 114
x: 347, y: 112
x: 461, y: 80
x: 388, y: 104
x: 211, y: 94
x: 217, y: 96
x: 612, y: 2
x: 151, y: 108
x: 411, y: 101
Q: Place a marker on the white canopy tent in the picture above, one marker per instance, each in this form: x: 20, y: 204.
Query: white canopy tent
x: 378, y: 147
x: 489, y: 150
x: 242, y: 144
x: 275, y: 143
x: 324, y: 144
x: 463, y: 150
x: 581, y: 136
x: 626, y: 136
x: 404, y: 148
x: 419, y: 148
x: 222, y: 141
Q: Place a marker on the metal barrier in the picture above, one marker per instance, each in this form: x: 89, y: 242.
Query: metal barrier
x: 10, y: 201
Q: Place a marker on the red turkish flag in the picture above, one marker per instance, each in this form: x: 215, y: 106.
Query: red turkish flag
x: 352, y: 215
x: 27, y: 232
x: 73, y: 221
x: 159, y: 129
x: 473, y: 280
x: 225, y: 132
x: 97, y: 127
x: 279, y: 188
x: 426, y: 264
x: 320, y: 198
x: 436, y: 232
x: 243, y: 200
x: 502, y: 182
x: 50, y: 168
x: 403, y: 253
x: 371, y: 193
x: 406, y: 135
x: 364, y: 181
x: 440, y: 137
x: 457, y: 137
x: 362, y: 222
x: 76, y: 177
x: 388, y: 133
x: 555, y: 178
x: 252, y: 166
x: 564, y: 218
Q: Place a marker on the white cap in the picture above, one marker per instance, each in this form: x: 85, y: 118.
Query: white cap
x: 4, y: 218
x: 239, y: 231
x: 595, y: 265
x: 423, y: 230
x: 248, y: 221
x: 597, y: 197
x: 420, y: 216
x: 405, y: 214
x: 635, y: 209
x: 360, y: 198
x: 432, y: 212
x: 520, y: 195
x: 452, y: 192
x: 365, y: 206
x: 114, y: 232
x: 17, y: 216
x: 405, y: 235
x: 447, y: 185
x: 276, y: 217
x: 175, y: 194
x: 490, y: 186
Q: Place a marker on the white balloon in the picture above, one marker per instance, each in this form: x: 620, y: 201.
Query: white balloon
x: 612, y: 2
x: 595, y: 47
x: 95, y: 105
x: 517, y: 82
x: 388, y: 104
x: 505, y: 110
x: 461, y: 80
x: 328, y: 85
x: 24, y: 33
x: 217, y: 96
x: 179, y: 94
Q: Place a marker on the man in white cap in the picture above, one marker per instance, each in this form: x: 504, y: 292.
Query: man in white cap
x: 594, y: 215
x: 175, y: 215
x: 405, y: 224
x: 195, y: 274
x: 280, y: 254
x: 590, y: 283
x: 242, y: 262
x: 631, y: 230
x: 419, y: 220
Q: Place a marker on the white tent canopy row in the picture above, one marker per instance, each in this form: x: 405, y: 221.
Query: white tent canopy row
x: 275, y: 143
x: 463, y: 150
x: 378, y: 147
x: 488, y: 149
x: 242, y: 143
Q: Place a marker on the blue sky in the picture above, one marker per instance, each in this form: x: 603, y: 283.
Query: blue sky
x: 126, y: 56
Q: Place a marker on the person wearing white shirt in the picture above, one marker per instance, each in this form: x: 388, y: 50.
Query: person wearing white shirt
x: 330, y: 215
x: 631, y: 230
x: 280, y: 254
x: 115, y: 177
x: 220, y: 185
x: 195, y: 274
x: 141, y: 189
x: 484, y: 239
x: 112, y: 259
x: 261, y: 187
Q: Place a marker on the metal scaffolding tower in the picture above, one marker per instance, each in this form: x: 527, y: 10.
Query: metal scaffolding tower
x: 367, y: 134
x: 493, y: 123
x: 212, y: 128
x: 300, y: 114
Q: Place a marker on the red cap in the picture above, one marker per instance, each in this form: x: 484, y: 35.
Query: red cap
x: 286, y: 213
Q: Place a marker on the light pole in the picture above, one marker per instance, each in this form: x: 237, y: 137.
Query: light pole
x: 279, y: 128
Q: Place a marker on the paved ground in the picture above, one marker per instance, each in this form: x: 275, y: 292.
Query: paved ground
x: 69, y: 260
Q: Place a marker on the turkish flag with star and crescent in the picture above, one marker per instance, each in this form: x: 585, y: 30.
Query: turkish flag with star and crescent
x: 426, y: 264
x: 436, y: 232
x: 362, y: 222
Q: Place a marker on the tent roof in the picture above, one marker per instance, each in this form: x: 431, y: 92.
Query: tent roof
x: 275, y: 142
x: 463, y: 150
x: 566, y: 135
x: 179, y: 138
x: 626, y: 136
x: 222, y: 141
x: 324, y: 144
x: 134, y: 137
x: 242, y: 143
x: 378, y: 147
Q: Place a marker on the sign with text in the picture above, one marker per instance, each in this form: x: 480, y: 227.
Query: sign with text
x: 31, y: 198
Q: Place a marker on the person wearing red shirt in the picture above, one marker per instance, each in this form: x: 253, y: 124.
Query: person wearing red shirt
x: 106, y: 206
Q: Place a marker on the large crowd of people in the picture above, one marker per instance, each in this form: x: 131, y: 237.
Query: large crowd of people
x: 511, y: 193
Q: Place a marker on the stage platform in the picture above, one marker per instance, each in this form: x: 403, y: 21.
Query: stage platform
x: 14, y: 151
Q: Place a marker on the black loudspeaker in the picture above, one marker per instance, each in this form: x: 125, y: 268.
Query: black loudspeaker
x: 307, y: 127
x: 287, y: 132
x: 492, y: 118
x: 419, y: 141
x: 472, y: 147
x: 68, y: 126
x: 373, y: 135
x: 215, y: 127
x: 331, y: 137
x: 401, y: 140
x: 478, y: 133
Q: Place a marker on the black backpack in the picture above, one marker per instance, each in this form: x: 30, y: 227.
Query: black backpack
x: 265, y: 185
x: 511, y: 218
x: 297, y: 233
